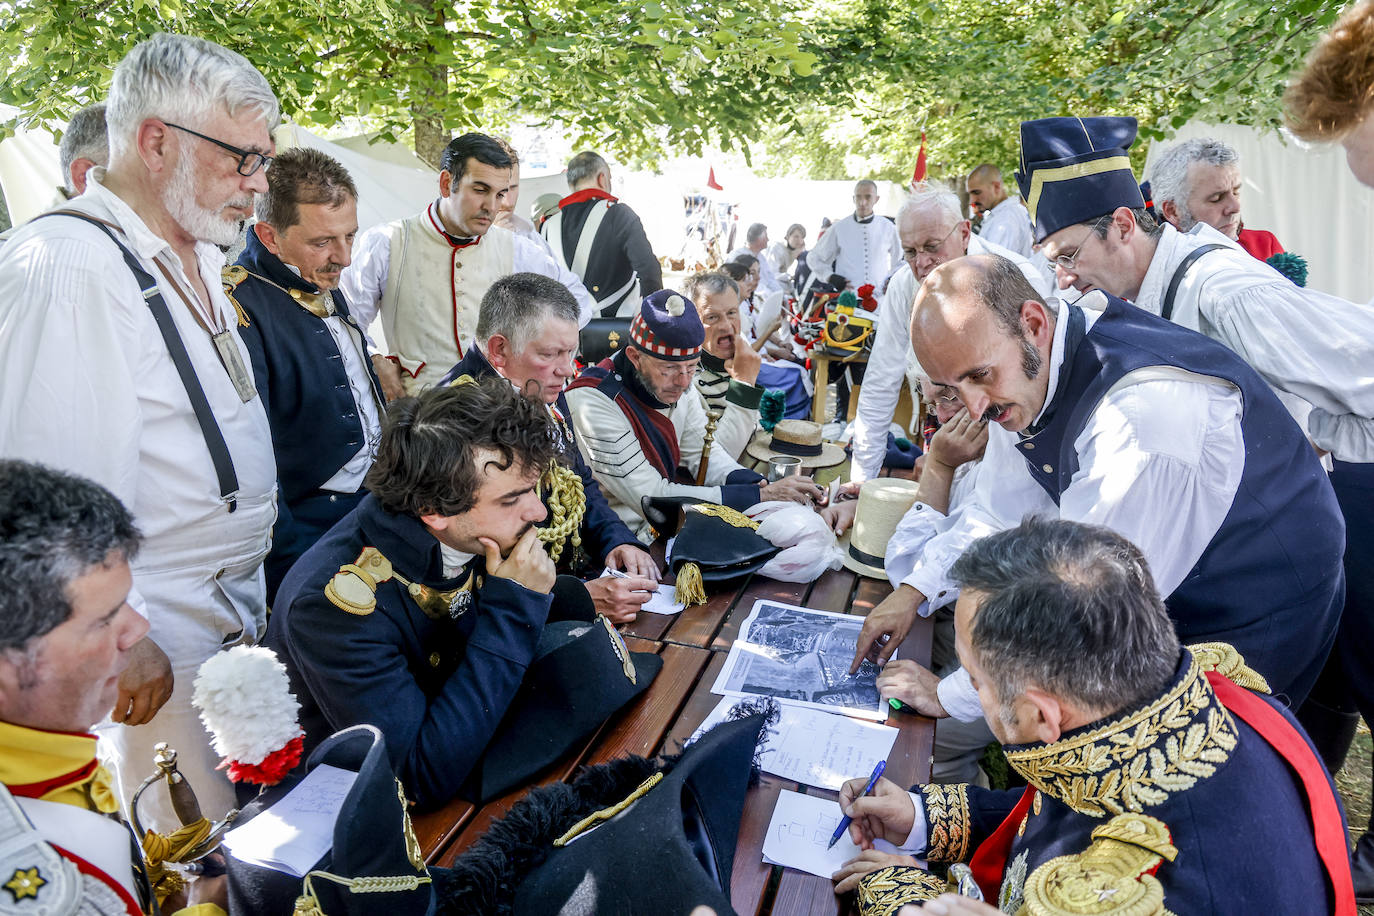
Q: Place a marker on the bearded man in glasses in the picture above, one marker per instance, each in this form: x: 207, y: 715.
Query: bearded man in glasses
x: 122, y: 362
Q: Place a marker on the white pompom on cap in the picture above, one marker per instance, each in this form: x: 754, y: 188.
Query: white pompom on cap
x: 675, y: 306
x: 245, y: 700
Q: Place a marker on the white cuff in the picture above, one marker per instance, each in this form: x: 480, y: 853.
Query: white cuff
x: 959, y: 698
x: 917, y: 841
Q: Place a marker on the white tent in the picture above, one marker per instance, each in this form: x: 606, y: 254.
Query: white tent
x: 1305, y: 196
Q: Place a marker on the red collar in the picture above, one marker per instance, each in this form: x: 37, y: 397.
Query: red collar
x: 577, y: 197
x: 447, y: 236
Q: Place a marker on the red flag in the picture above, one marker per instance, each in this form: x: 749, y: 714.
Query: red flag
x: 711, y: 180
x: 920, y: 173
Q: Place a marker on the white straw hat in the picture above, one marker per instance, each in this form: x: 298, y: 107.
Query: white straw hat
x: 882, y: 503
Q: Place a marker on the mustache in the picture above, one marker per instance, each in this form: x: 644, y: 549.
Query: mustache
x: 993, y: 412
x: 332, y: 268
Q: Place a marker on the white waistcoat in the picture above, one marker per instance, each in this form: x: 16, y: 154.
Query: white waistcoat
x: 429, y: 322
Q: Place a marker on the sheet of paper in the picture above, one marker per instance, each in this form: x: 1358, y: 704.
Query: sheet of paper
x: 801, y: 656
x: 799, y: 830
x: 815, y: 747
x: 297, y: 831
x: 662, y: 601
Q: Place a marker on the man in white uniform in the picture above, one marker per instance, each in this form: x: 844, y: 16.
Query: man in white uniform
x: 862, y: 247
x: 1005, y: 221
x: 95, y: 383
x: 426, y: 274
x: 932, y: 230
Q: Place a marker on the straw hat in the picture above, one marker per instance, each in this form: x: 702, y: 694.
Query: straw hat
x: 798, y: 438
x: 882, y: 503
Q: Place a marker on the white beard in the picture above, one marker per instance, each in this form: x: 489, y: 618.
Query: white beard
x: 201, y: 223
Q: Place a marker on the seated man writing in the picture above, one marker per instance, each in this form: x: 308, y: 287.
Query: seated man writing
x: 1156, y: 773
x: 527, y: 334
x: 639, y: 419
x: 423, y: 609
x: 65, y: 547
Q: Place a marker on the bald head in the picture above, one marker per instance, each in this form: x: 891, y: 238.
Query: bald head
x: 985, y: 188
x: 978, y: 326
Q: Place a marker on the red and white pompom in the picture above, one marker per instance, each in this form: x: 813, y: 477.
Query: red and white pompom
x: 245, y: 700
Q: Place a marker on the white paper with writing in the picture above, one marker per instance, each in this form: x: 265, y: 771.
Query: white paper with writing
x: 297, y: 831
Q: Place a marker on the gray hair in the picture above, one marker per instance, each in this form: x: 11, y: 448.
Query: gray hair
x: 930, y: 196
x: 1070, y: 609
x: 54, y: 528
x: 516, y: 307
x: 708, y: 283
x: 1169, y: 177
x: 755, y: 232
x: 84, y: 138
x: 187, y: 78
x: 584, y: 167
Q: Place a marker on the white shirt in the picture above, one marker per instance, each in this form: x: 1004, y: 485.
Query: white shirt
x: 352, y: 352
x: 1009, y: 225
x: 887, y: 363
x: 87, y: 385
x: 860, y: 252
x: 1304, y: 343
x: 364, y: 280
x: 1159, y: 463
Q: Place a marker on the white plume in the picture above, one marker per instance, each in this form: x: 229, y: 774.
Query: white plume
x: 245, y: 700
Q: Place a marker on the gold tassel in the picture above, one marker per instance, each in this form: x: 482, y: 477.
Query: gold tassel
x: 690, y: 589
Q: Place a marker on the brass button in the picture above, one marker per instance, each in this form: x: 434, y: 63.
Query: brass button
x: 1028, y: 446
x: 434, y: 659
x: 1047, y: 469
x: 596, y: 289
x: 457, y: 264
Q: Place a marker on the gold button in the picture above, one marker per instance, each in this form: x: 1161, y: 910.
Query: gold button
x: 596, y: 289
x: 434, y: 659
x: 1028, y: 446
x: 457, y: 264
x: 1047, y: 469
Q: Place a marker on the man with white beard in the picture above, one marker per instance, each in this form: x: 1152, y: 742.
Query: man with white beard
x: 120, y: 360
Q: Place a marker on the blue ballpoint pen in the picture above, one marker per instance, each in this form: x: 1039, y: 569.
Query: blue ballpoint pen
x: 845, y: 821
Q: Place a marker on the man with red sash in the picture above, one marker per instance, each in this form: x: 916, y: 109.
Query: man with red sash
x: 601, y: 239
x: 1159, y: 777
x: 639, y: 418
x: 65, y: 547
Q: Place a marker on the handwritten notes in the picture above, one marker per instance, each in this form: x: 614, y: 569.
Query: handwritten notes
x: 815, y: 747
x: 662, y: 601
x: 799, y: 831
x: 297, y: 831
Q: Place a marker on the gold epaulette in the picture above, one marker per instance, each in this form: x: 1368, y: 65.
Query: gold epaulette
x: 1223, y: 658
x: 231, y: 277
x: 354, y: 586
x: 1113, y: 875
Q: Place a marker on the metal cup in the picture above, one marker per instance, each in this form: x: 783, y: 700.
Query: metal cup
x: 780, y: 466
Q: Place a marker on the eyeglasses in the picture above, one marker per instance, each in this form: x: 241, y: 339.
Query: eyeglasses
x: 249, y: 160
x: 1070, y: 261
x: 929, y: 248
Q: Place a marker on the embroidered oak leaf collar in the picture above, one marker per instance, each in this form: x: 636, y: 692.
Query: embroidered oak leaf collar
x: 1138, y: 761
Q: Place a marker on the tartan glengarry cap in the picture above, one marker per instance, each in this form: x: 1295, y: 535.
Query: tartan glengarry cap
x: 668, y: 327
x: 1076, y: 169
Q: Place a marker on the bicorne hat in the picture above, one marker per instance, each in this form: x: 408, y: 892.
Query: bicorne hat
x: 1076, y: 169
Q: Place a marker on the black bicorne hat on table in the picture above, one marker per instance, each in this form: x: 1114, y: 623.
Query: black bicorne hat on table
x: 712, y: 543
x: 623, y: 837
x: 375, y: 865
x: 581, y: 675
x: 1076, y: 169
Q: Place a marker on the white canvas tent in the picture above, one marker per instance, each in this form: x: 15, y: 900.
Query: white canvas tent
x: 1305, y: 196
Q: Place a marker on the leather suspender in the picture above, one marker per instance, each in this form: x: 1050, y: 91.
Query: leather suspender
x: 1167, y: 312
x: 214, y: 439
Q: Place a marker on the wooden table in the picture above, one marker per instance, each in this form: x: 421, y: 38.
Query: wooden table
x: 694, y: 645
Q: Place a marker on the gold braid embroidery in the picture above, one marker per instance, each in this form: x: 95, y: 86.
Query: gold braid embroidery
x: 1113, y: 875
x: 1139, y: 761
x: 726, y: 514
x: 567, y: 506
x: 1223, y: 658
x: 948, y: 820
x: 885, y: 891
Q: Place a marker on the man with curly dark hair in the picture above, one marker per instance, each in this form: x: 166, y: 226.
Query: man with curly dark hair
x: 423, y: 611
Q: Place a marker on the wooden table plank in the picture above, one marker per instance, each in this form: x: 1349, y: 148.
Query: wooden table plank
x: 757, y: 587
x: 832, y: 591
x: 749, y: 876
x: 698, y: 624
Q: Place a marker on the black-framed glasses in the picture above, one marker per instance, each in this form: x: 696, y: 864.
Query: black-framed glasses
x: 249, y: 160
x: 1070, y: 261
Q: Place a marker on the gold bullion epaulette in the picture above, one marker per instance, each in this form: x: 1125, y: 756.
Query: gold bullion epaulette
x: 1113, y: 875
x: 231, y: 276
x: 1223, y: 658
x: 354, y: 587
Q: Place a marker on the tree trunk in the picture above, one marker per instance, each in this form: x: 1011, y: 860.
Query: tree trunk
x: 430, y: 135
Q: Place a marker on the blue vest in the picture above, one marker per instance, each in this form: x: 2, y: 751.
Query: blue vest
x: 1270, y: 581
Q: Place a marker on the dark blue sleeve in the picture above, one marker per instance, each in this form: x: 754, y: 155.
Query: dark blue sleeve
x: 741, y: 489
x: 358, y: 671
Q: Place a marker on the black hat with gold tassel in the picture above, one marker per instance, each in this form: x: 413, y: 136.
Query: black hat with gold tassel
x: 712, y: 543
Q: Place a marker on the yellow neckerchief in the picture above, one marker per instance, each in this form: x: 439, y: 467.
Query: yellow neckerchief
x: 54, y: 766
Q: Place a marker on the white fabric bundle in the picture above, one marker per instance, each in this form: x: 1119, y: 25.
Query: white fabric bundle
x: 809, y: 546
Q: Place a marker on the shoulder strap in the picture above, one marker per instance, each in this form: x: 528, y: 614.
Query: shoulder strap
x: 176, y: 347
x: 589, y: 230
x: 1167, y: 312
x: 552, y: 231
